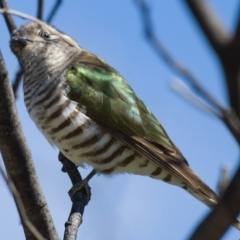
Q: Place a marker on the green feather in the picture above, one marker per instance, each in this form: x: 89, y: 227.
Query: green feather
x: 108, y: 98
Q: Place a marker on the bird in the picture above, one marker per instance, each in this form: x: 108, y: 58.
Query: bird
x: 85, y: 108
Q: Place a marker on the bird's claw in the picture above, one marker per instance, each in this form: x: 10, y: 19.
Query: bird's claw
x: 79, y: 186
x: 83, y: 184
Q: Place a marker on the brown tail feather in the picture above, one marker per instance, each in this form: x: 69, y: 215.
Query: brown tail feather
x: 205, y: 194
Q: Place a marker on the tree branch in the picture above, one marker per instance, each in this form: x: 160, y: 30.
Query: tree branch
x: 218, y: 221
x: 228, y: 208
x: 17, y: 81
x: 20, y: 206
x: 78, y: 199
x: 225, y: 44
x: 40, y: 9
x: 229, y: 118
x: 210, y: 24
x: 54, y: 11
x: 237, y: 31
x: 8, y: 18
x: 18, y: 162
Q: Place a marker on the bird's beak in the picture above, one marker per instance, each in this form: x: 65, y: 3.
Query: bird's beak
x: 21, y: 42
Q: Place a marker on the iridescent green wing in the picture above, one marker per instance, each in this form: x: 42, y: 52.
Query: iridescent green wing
x: 110, y: 100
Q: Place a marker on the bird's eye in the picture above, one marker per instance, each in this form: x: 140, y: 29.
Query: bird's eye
x: 46, y: 35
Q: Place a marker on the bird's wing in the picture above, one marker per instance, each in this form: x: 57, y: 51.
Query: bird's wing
x: 112, y: 103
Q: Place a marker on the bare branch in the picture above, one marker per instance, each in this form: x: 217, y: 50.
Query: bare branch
x: 17, y: 82
x: 237, y: 32
x: 211, y: 25
x: 225, y: 44
x: 18, y: 162
x: 78, y: 199
x: 224, y: 180
x: 40, y: 9
x: 8, y: 18
x: 181, y: 88
x: 228, y: 117
x: 20, y: 206
x: 218, y: 221
x: 228, y: 208
x: 54, y: 11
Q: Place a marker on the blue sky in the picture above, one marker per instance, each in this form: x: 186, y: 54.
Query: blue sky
x: 127, y: 206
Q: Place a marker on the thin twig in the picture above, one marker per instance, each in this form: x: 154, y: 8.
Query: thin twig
x: 224, y: 180
x: 20, y: 206
x: 183, y: 90
x: 26, y: 16
x: 90, y: 175
x: 226, y: 46
x: 223, y: 215
x: 20, y: 14
x: 8, y: 18
x: 40, y: 9
x: 78, y: 199
x: 17, y: 82
x: 213, y: 28
x: 237, y: 32
x: 54, y: 11
x: 233, y: 123
x: 214, y: 226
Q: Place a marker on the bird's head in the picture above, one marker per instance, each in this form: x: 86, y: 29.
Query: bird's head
x: 39, y: 42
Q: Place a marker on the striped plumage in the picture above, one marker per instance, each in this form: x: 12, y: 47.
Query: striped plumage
x: 85, y: 108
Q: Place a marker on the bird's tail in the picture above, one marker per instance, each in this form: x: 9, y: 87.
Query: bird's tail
x: 207, y: 196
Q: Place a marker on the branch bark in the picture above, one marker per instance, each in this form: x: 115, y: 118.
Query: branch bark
x: 225, y: 44
x: 54, y: 11
x: 78, y: 200
x: 211, y: 25
x: 40, y: 9
x: 8, y: 18
x: 218, y: 221
x: 228, y: 117
x: 228, y: 51
x: 18, y: 161
x: 20, y: 206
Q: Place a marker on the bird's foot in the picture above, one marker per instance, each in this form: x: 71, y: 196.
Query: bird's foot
x: 83, y: 184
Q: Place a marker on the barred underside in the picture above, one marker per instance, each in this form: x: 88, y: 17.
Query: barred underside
x: 82, y: 141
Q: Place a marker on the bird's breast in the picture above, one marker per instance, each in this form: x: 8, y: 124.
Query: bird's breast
x: 76, y: 135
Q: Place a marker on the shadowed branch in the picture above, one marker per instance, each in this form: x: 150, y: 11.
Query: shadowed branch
x: 226, y: 45
x: 8, y: 17
x: 40, y: 9
x: 54, y: 10
x: 213, y: 28
x: 217, y: 222
x: 9, y: 183
x: 79, y: 199
x: 18, y: 161
x: 229, y: 118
